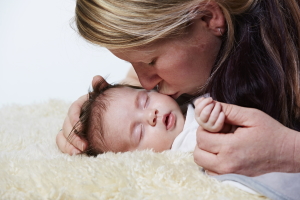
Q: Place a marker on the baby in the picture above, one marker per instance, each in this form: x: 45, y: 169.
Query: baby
x: 122, y: 118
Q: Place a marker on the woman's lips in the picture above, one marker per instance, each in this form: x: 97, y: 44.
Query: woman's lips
x: 169, y: 120
x: 174, y: 96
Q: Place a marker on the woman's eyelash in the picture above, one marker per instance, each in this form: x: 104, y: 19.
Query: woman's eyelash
x: 151, y: 63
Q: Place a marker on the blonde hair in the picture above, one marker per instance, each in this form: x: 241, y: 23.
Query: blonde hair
x: 116, y: 24
x: 119, y: 24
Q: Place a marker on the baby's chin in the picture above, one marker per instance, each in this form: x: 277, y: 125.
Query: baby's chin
x: 160, y: 150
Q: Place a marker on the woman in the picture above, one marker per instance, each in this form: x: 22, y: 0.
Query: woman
x: 242, y: 52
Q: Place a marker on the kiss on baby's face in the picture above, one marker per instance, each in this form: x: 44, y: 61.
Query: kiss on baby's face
x: 137, y: 119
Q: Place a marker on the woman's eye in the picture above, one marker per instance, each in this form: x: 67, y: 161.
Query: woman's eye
x: 152, y: 63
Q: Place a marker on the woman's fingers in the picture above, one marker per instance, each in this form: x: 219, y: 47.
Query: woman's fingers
x: 210, y: 142
x: 73, y: 115
x: 239, y: 116
x: 211, y: 173
x: 69, y: 142
x: 64, y: 145
x: 99, y: 79
x: 201, y: 155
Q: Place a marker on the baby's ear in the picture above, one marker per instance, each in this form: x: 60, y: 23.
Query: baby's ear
x: 99, y: 83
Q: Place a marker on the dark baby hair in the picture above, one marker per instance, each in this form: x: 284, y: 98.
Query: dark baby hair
x: 90, y: 126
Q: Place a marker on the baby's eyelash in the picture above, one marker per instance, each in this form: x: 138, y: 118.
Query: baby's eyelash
x: 142, y: 132
x: 146, y: 102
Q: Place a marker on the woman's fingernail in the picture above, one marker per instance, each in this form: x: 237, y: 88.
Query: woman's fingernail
x: 75, y: 152
x: 79, y: 145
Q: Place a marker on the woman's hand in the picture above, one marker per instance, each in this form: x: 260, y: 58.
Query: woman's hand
x: 72, y: 144
x: 259, y: 145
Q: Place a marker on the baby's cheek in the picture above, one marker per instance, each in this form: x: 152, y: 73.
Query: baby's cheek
x: 164, y: 145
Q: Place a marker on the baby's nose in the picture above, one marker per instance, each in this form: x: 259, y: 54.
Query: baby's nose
x: 151, y: 116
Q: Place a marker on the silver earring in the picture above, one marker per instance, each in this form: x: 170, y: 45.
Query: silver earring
x: 220, y: 31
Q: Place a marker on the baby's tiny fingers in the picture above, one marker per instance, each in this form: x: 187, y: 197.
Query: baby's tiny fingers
x: 198, y: 101
x: 206, y: 113
x: 200, y: 105
x: 215, y: 113
x: 204, y: 101
x: 217, y: 127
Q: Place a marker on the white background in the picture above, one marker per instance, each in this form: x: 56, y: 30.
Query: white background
x: 42, y: 57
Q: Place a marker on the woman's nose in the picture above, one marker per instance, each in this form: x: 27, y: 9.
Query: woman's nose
x: 148, y: 77
x: 150, y: 116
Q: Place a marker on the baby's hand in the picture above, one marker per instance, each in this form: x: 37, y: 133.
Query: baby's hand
x: 209, y: 115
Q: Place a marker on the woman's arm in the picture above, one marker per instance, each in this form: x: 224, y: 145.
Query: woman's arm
x: 259, y: 145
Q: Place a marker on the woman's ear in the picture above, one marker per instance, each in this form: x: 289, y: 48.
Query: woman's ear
x: 213, y: 17
x: 99, y: 83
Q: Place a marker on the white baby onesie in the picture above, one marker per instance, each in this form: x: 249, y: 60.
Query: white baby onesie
x: 186, y: 140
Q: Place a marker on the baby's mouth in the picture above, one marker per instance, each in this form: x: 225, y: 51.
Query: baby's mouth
x: 169, y: 120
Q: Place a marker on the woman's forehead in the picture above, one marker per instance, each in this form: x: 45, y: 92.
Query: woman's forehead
x: 135, y: 55
x: 146, y: 47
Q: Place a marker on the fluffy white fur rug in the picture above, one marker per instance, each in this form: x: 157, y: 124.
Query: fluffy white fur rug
x: 32, y: 167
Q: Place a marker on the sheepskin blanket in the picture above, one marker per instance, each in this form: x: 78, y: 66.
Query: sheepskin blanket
x: 32, y: 167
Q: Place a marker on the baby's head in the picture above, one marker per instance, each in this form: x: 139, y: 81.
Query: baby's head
x: 122, y: 118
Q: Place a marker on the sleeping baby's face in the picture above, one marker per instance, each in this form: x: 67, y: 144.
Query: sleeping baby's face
x: 137, y: 119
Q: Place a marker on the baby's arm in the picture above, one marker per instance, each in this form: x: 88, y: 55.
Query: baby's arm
x: 209, y: 115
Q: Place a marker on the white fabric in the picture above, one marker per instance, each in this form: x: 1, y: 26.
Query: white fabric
x: 32, y: 167
x: 186, y: 140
